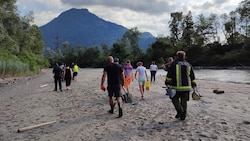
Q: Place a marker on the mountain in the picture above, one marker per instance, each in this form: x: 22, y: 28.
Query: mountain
x: 80, y: 27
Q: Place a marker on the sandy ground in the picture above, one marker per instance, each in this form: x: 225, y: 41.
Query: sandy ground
x: 81, y: 113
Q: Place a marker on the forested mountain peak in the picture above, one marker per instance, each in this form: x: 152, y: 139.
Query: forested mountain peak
x: 80, y: 27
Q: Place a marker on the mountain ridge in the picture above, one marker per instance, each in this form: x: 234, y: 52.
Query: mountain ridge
x: 80, y: 27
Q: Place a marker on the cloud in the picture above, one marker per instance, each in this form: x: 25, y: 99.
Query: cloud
x: 147, y: 15
x: 144, y: 6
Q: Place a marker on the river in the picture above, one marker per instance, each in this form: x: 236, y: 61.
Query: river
x: 223, y: 75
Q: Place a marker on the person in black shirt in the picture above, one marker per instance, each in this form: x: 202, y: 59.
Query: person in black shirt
x: 114, y: 73
x: 57, y: 71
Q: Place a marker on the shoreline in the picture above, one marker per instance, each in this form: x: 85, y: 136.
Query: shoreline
x: 13, y: 80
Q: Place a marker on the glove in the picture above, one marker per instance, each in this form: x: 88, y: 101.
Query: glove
x: 193, y: 84
x: 103, y: 88
x: 167, y: 83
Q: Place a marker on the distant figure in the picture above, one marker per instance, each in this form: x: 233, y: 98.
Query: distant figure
x: 75, y: 71
x: 68, y: 76
x: 181, y: 77
x: 72, y: 67
x: 114, y: 73
x: 153, y: 69
x: 142, y: 77
x: 169, y: 61
x: 62, y: 67
x: 128, y: 72
x: 57, y: 76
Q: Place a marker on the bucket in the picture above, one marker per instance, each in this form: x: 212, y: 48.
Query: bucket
x: 147, y: 85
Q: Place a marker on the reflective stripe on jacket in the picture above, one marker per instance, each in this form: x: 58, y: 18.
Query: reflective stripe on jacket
x: 180, y: 75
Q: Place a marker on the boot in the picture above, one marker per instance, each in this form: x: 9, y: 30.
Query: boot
x: 178, y: 115
x: 183, y: 116
x: 112, y: 108
x: 120, y: 113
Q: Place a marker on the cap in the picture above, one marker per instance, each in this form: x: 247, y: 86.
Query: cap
x: 116, y: 59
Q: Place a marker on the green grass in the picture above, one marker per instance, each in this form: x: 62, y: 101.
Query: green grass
x: 10, y: 68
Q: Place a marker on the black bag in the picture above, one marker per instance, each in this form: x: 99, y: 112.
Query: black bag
x: 127, y: 97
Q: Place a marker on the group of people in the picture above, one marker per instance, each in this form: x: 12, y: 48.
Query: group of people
x: 180, y: 76
x: 62, y: 73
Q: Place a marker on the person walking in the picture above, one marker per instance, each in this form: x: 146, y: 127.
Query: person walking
x: 182, y: 78
x: 128, y: 72
x: 57, y: 76
x: 68, y: 76
x: 153, y: 69
x: 169, y: 61
x: 75, y: 71
x: 115, y: 78
x: 142, y: 77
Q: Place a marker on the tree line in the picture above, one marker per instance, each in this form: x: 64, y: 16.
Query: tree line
x: 22, y: 48
x: 200, y: 38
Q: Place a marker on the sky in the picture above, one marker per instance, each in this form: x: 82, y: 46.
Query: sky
x: 147, y: 15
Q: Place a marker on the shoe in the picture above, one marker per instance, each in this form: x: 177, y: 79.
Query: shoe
x: 178, y: 115
x: 183, y: 116
x: 61, y: 90
x: 120, y: 113
x: 54, y: 90
x: 111, y: 111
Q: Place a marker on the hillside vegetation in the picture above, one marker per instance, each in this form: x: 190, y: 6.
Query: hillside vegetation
x: 21, y: 44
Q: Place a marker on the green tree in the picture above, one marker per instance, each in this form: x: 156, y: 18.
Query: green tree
x: 175, y: 27
x: 206, y: 29
x: 130, y: 40
x: 244, y: 11
x: 188, y: 30
x: 160, y: 50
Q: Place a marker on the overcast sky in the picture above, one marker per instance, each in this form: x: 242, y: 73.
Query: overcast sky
x: 147, y: 15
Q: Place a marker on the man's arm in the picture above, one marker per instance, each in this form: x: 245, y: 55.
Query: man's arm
x: 103, y: 77
x: 135, y: 74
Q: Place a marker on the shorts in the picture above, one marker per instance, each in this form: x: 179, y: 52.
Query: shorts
x: 142, y: 81
x: 75, y: 73
x: 114, y: 90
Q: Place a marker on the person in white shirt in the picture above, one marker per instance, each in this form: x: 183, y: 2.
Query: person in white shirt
x: 153, y: 69
x: 142, y: 77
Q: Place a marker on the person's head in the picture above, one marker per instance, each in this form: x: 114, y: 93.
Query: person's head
x: 116, y: 60
x: 110, y: 59
x: 128, y: 62
x: 181, y: 55
x: 153, y: 62
x: 139, y: 63
x: 170, y: 59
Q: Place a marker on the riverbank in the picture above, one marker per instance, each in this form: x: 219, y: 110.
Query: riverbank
x: 81, y: 113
